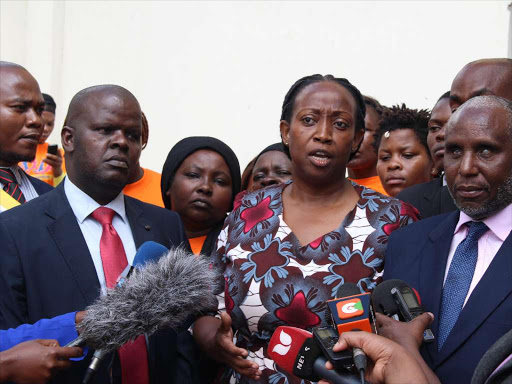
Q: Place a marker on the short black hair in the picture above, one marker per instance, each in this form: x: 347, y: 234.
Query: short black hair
x: 299, y: 85
x: 374, y: 103
x: 401, y: 117
x: 49, y: 103
x: 445, y: 95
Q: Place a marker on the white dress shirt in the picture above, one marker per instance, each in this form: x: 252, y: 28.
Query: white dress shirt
x: 83, y: 205
x: 26, y: 186
x: 500, y: 226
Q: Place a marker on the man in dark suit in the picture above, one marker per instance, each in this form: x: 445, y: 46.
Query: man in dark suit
x: 22, y: 124
x: 61, y: 250
x: 460, y: 262
x: 481, y: 77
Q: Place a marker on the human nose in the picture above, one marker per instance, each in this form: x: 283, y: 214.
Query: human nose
x: 323, y: 132
x: 205, y: 187
x: 269, y: 180
x: 119, y: 139
x: 34, y: 120
x: 440, y: 135
x: 467, y: 165
x: 394, y: 163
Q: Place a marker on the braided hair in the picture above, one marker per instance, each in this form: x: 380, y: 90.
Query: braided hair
x: 401, y: 117
x: 289, y: 99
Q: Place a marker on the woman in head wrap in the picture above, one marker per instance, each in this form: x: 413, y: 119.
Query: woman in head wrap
x: 271, y: 166
x: 200, y: 179
x: 287, y: 248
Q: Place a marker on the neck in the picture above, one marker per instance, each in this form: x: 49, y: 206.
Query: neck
x: 362, y: 173
x: 6, y: 164
x: 196, y: 233
x: 324, y: 195
x: 137, y: 175
x: 98, y: 192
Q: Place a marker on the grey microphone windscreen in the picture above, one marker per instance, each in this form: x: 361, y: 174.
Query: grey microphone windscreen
x: 162, y: 294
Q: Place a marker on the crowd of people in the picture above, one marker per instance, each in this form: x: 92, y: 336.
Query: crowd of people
x: 356, y: 192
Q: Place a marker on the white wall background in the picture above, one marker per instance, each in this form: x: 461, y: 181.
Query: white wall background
x: 222, y: 68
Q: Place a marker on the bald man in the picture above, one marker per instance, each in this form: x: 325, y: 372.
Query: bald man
x: 21, y: 126
x: 56, y: 257
x: 481, y: 77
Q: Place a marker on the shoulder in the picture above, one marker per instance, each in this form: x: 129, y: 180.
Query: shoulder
x: 29, y: 212
x: 420, y: 189
x: 152, y: 211
x: 40, y: 186
x: 421, y: 228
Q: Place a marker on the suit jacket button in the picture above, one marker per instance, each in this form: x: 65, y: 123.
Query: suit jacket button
x: 147, y: 227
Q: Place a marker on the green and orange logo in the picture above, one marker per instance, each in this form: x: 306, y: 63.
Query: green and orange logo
x: 349, y: 308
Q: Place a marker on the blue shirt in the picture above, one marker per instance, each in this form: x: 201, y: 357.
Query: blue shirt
x: 61, y: 328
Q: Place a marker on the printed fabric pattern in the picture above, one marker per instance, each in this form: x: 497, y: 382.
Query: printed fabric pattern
x: 271, y: 280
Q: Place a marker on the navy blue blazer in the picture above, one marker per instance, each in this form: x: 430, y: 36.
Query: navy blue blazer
x: 40, y: 186
x: 46, y: 269
x: 418, y: 254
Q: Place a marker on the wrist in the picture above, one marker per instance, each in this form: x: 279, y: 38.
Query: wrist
x: 57, y: 171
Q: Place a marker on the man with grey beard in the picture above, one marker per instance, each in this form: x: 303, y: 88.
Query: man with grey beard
x: 460, y: 262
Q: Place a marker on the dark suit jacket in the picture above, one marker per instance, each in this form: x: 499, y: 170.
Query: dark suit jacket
x: 40, y: 186
x: 46, y: 269
x: 418, y: 254
x: 429, y: 198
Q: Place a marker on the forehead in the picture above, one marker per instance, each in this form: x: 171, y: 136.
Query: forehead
x: 112, y: 109
x: 271, y: 157
x: 479, y: 124
x: 399, y: 139
x: 442, y: 110
x: 18, y: 83
x: 325, y: 95
x: 203, y: 158
x: 493, y: 78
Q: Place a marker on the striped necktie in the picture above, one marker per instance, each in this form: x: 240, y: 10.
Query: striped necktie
x: 11, y: 185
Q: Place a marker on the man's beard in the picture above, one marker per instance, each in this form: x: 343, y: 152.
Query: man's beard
x: 488, y: 208
x: 15, y: 158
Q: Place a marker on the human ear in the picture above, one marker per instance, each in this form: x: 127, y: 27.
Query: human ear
x: 358, y: 139
x: 67, y: 136
x: 284, y: 127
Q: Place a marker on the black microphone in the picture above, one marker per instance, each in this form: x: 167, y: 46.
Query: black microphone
x: 395, y: 298
x: 297, y: 353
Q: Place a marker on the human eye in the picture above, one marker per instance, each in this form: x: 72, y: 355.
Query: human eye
x: 258, y: 176
x: 134, y: 136
x: 434, y: 128
x: 486, y: 152
x: 384, y: 157
x: 283, y: 172
x: 308, y: 120
x: 408, y: 155
x: 453, y: 151
x: 192, y: 175
x: 19, y: 107
x: 340, y: 124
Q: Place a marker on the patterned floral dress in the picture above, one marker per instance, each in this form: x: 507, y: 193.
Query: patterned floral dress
x: 271, y: 280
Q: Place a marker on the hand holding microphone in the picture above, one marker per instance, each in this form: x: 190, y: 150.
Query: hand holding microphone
x: 390, y: 362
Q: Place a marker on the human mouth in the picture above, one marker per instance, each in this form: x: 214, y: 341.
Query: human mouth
x: 320, y: 157
x: 470, y: 192
x: 201, y: 203
x: 31, y: 138
x: 118, y: 162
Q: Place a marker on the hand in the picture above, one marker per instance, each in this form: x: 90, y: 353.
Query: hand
x: 389, y: 362
x: 35, y: 361
x: 54, y: 161
x: 225, y: 351
x: 408, y: 335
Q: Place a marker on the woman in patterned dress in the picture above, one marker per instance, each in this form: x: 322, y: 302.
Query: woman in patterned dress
x: 285, y: 249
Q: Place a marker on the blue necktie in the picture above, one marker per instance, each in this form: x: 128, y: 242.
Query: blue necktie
x: 459, y: 279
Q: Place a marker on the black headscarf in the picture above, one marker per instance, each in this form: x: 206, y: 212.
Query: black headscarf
x: 188, y: 146
x: 272, y: 147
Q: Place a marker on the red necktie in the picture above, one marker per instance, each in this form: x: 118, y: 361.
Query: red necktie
x: 11, y: 185
x: 133, y: 356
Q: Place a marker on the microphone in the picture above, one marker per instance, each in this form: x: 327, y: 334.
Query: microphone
x: 297, y: 353
x: 395, y: 298
x: 149, y: 251
x: 162, y: 294
x: 352, y: 310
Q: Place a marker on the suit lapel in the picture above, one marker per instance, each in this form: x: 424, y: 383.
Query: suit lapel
x: 433, y: 269
x: 72, y: 246
x: 491, y: 290
x: 432, y: 195
x: 142, y: 228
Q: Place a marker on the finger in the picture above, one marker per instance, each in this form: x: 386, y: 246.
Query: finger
x: 423, y: 321
x: 62, y: 364
x: 69, y: 352
x: 47, y: 342
x: 383, y: 320
x: 240, y: 364
x: 230, y: 348
x: 225, y: 325
x: 329, y: 365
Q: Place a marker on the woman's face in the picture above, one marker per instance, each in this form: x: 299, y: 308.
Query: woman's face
x: 201, y: 190
x: 403, y: 161
x: 366, y: 157
x: 273, y: 167
x: 321, y: 134
x: 436, y: 127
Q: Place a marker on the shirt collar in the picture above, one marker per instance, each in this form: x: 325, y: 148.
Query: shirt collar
x: 83, y: 205
x: 16, y: 170
x: 500, y: 223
